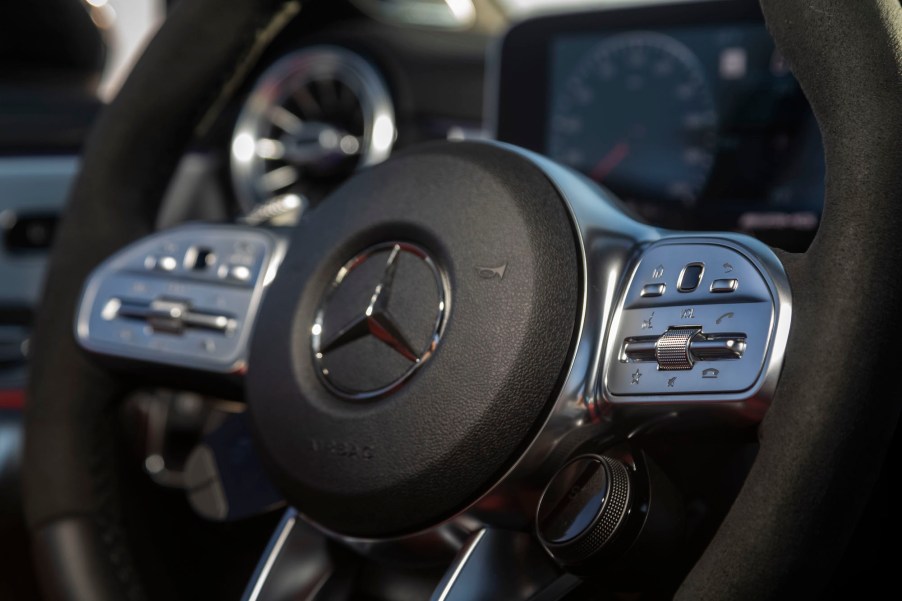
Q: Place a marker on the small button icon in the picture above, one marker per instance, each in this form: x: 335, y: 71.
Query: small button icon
x: 727, y: 268
x: 657, y: 272
x: 646, y: 323
x: 635, y: 377
x: 167, y: 263
x: 671, y: 382
x: 241, y: 273
x: 728, y: 315
x: 687, y: 313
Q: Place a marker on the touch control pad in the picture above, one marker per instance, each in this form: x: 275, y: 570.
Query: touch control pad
x: 708, y: 334
x: 185, y: 297
x: 690, y: 277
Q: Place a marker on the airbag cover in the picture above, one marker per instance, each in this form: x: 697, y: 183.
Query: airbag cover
x: 398, y: 462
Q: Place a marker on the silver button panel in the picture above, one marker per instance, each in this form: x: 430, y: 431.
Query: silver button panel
x: 186, y: 297
x: 713, y: 342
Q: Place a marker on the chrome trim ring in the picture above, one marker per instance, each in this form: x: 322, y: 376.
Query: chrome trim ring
x: 376, y: 322
x: 275, y: 86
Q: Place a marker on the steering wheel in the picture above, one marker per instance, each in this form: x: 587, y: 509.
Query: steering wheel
x: 469, y: 334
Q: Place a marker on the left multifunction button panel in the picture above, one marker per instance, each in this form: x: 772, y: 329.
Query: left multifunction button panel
x: 715, y: 332
x: 186, y: 297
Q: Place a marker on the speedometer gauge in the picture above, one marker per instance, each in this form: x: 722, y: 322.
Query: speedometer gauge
x: 637, y: 115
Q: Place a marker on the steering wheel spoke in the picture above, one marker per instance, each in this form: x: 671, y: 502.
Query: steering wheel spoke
x: 503, y: 564
x: 184, y: 298
x: 299, y: 563
x: 224, y: 475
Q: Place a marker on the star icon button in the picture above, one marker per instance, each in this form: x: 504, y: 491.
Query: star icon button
x: 636, y: 375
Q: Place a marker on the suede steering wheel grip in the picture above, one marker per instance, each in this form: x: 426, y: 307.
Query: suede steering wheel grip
x: 825, y: 437
x: 803, y: 497
x: 72, y: 501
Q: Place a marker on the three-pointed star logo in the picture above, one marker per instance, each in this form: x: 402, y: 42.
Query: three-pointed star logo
x: 376, y: 321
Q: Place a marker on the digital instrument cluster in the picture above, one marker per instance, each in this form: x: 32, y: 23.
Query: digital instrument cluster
x: 687, y: 112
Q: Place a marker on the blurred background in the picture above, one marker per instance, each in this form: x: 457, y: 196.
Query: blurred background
x: 60, y: 60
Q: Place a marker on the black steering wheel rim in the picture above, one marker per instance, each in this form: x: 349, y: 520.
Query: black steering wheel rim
x: 780, y: 534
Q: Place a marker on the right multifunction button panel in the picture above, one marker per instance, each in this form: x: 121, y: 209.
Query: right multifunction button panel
x: 702, y: 319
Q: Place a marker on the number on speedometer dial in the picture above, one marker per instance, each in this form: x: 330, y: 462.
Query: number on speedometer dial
x: 636, y: 114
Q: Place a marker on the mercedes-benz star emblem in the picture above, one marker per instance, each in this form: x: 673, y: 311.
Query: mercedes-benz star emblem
x: 381, y: 319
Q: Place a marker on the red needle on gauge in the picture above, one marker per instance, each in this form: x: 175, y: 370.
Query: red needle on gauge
x: 609, y: 161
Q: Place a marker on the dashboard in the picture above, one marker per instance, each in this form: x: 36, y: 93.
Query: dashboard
x: 684, y: 110
x: 687, y: 112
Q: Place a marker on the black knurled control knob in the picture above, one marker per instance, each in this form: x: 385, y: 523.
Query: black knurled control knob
x: 584, y: 508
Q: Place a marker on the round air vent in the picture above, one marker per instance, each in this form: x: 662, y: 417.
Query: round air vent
x: 312, y: 118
